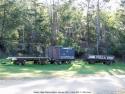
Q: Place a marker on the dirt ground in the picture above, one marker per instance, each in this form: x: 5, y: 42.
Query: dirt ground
x: 64, y: 85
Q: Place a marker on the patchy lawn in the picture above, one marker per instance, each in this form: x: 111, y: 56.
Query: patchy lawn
x: 76, y: 68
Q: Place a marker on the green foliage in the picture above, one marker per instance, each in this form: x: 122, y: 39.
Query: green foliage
x: 29, y: 23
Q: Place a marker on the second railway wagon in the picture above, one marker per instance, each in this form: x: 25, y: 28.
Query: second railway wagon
x: 105, y: 59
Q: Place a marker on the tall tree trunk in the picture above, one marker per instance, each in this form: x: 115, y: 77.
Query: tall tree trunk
x: 3, y: 23
x: 97, y: 29
x: 54, y: 23
x: 88, y: 24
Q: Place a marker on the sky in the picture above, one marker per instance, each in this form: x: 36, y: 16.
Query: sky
x: 113, y: 4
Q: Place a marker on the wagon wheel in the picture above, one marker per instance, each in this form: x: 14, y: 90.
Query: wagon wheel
x: 42, y: 62
x: 52, y: 62
x: 104, y: 62
x: 63, y: 62
x: 91, y: 62
x: 69, y: 62
x: 21, y: 63
x: 35, y: 62
x: 15, y: 62
x: 58, y: 62
x: 108, y: 63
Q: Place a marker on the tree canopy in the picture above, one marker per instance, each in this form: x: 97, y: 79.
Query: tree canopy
x: 30, y: 26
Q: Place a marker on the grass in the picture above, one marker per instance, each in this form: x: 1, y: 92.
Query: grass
x: 7, y: 69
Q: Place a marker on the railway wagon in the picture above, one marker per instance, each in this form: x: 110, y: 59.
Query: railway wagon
x: 60, y: 55
x: 23, y: 59
x: 105, y: 59
x: 54, y: 54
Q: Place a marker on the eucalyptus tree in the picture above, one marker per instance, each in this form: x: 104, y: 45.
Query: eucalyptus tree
x: 7, y: 24
x: 118, y: 41
x: 70, y: 24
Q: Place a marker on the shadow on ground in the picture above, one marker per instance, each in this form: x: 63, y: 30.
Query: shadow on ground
x: 7, y: 69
